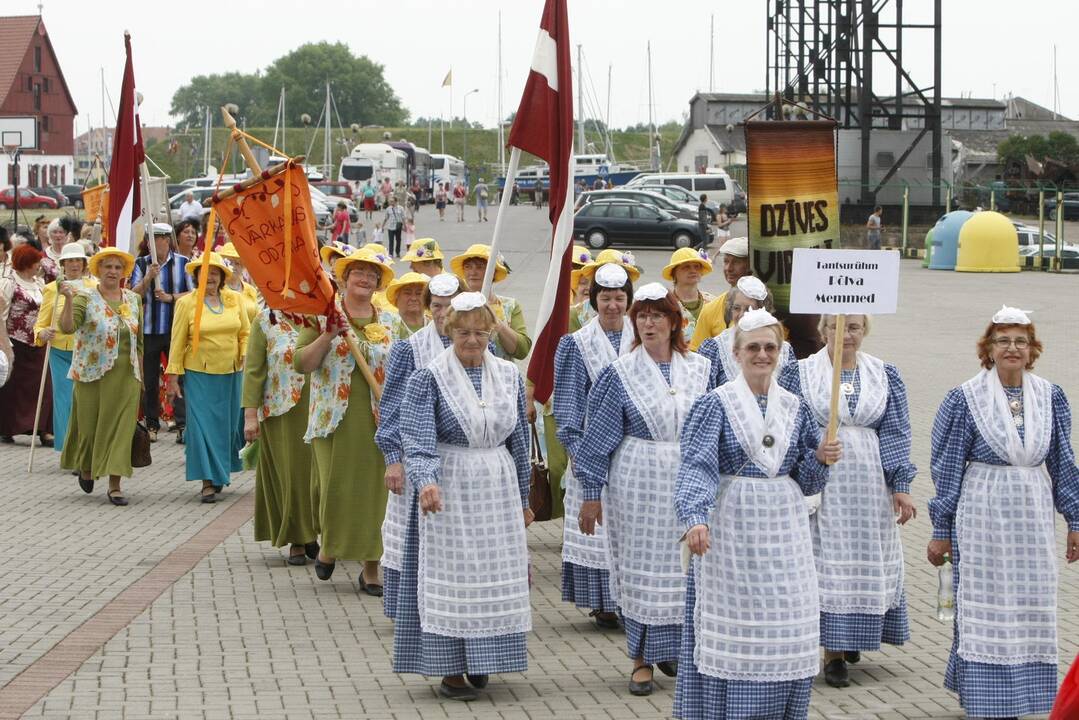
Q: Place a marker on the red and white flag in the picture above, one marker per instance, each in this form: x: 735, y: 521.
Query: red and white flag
x: 543, y: 126
x: 125, y: 196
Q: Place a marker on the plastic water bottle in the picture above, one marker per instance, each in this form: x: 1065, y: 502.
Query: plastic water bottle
x: 945, y: 591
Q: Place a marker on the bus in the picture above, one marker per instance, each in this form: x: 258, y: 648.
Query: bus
x: 447, y: 169
x: 419, y: 167
x: 373, y: 161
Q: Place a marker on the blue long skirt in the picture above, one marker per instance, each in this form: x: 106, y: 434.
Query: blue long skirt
x: 391, y: 581
x: 703, y: 697
x: 418, y: 652
x: 62, y: 389
x: 861, y: 631
x: 587, y: 587
x: 654, y: 643
x: 214, y: 434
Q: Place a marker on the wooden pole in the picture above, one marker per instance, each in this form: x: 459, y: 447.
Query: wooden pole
x: 837, y: 367
x: 44, y: 373
x: 245, y: 149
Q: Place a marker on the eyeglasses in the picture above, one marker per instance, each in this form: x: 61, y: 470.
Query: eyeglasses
x: 1020, y: 343
x: 754, y: 348
x: 481, y: 335
x: 849, y: 328
x: 655, y: 318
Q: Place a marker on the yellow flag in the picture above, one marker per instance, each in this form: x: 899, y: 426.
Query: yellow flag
x: 449, y: 79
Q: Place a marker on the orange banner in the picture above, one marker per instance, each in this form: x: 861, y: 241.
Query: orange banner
x: 254, y: 219
x: 96, y: 200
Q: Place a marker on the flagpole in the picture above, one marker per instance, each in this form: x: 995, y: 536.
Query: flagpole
x: 504, y: 202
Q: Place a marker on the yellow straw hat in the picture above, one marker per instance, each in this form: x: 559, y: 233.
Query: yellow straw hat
x: 625, y: 259
x: 681, y: 256
x: 422, y: 250
x: 213, y: 260
x: 378, y: 250
x: 333, y: 250
x: 107, y: 252
x: 483, y: 252
x: 228, y: 250
x: 409, y: 278
x: 363, y: 255
x: 581, y: 256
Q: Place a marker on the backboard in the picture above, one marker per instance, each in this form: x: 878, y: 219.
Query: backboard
x: 19, y: 131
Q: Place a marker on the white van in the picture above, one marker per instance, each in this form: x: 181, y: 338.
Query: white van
x: 717, y: 186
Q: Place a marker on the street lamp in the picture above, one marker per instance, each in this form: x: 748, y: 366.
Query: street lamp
x: 464, y: 159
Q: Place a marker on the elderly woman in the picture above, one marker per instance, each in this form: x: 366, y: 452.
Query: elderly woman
x: 425, y: 257
x: 581, y: 312
x: 50, y: 264
x: 349, y: 484
x: 408, y: 355
x: 710, y: 320
x: 510, y: 336
x: 579, y: 360
x: 463, y: 603
x: 213, y: 376
x: 684, y: 272
x: 107, y: 372
x: 749, y: 293
x: 275, y: 402
x: 750, y: 451
x: 630, y: 447
x: 405, y: 294
x: 855, y: 537
x: 73, y: 265
x: 1001, y: 461
x: 20, y: 300
x: 248, y: 292
x: 187, y: 235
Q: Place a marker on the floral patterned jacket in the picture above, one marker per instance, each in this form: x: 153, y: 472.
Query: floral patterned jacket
x: 97, y: 340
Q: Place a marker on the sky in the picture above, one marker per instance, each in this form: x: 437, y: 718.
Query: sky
x: 990, y: 49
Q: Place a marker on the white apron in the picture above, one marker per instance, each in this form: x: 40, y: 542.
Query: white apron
x: 473, y: 556
x: 598, y: 353
x: 647, y: 581
x: 731, y: 368
x: 757, y: 616
x: 426, y: 345
x: 1007, y: 572
x: 855, y: 538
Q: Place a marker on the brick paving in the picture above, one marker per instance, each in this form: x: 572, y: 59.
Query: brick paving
x: 240, y: 634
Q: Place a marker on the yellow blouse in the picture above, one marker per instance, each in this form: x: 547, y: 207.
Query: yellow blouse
x: 222, y: 337
x: 251, y: 300
x: 60, y: 341
x: 710, y: 322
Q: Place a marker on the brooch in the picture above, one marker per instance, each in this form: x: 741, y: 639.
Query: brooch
x: 768, y: 441
x: 847, y: 388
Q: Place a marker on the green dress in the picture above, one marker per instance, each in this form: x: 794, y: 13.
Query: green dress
x: 349, y: 482
x: 284, y: 513
x: 103, y: 412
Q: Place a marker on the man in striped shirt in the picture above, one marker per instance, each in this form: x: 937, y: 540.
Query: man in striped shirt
x: 157, y: 305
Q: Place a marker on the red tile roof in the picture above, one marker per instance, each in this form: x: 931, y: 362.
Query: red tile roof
x: 16, y: 32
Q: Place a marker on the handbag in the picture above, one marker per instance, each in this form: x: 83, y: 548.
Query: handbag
x: 539, y: 493
x: 140, y: 446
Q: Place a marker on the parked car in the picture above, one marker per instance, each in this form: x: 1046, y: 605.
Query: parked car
x: 656, y: 200
x: 681, y: 195
x: 717, y: 185
x: 54, y: 193
x: 330, y: 203
x: 1069, y: 252
x: 27, y: 199
x: 73, y: 193
x: 173, y: 188
x: 605, y: 222
x: 1028, y: 236
x: 1071, y: 206
x: 337, y: 189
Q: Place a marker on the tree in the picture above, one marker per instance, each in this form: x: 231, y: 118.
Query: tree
x: 213, y: 91
x: 1058, y: 145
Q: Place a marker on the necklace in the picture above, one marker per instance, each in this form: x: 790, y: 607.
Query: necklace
x: 1015, y: 404
x: 220, y: 306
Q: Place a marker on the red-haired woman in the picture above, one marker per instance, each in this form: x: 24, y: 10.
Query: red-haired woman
x: 630, y: 446
x: 20, y: 299
x: 1001, y: 461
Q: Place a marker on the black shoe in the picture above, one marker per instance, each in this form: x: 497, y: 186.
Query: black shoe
x: 179, y: 436
x: 208, y: 497
x: 641, y: 688
x: 299, y: 559
x: 311, y: 549
x: 87, y: 484
x: 372, y: 589
x: 605, y: 620
x: 852, y: 656
x: 44, y: 440
x: 835, y: 674
x: 118, y: 499
x: 670, y: 669
x: 218, y: 488
x: 478, y: 681
x: 451, y: 692
x: 324, y: 570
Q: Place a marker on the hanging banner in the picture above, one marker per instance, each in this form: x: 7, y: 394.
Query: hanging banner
x: 254, y: 218
x: 95, y: 201
x: 793, y: 197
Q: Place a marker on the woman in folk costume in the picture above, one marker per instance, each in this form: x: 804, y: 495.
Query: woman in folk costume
x: 579, y: 360
x: 405, y: 312
x: 581, y: 313
x: 749, y: 293
x: 635, y: 415
x: 406, y: 357
x: 350, y: 490
x: 684, y: 272
x: 463, y: 604
x: 213, y: 376
x: 73, y: 268
x: 1001, y: 461
x: 855, y: 537
x: 750, y: 452
x: 275, y: 402
x: 236, y: 281
x: 510, y: 337
x: 107, y: 373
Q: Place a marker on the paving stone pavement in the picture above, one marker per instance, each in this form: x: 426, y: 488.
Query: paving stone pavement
x: 243, y: 635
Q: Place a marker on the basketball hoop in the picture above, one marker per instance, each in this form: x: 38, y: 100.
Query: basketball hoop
x: 12, y: 149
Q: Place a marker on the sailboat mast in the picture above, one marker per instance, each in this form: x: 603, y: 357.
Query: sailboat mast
x: 326, y: 137
x: 654, y: 164
x: 580, y: 103
x: 607, y: 118
x: 501, y: 129
x: 712, y: 54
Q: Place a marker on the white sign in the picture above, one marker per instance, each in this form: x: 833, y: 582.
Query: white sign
x: 835, y: 282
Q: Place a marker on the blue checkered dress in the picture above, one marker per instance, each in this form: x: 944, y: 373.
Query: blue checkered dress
x: 399, y: 369
x: 426, y: 419
x: 786, y: 374
x: 611, y: 417
x: 709, y: 450
x: 585, y: 587
x: 995, y: 690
